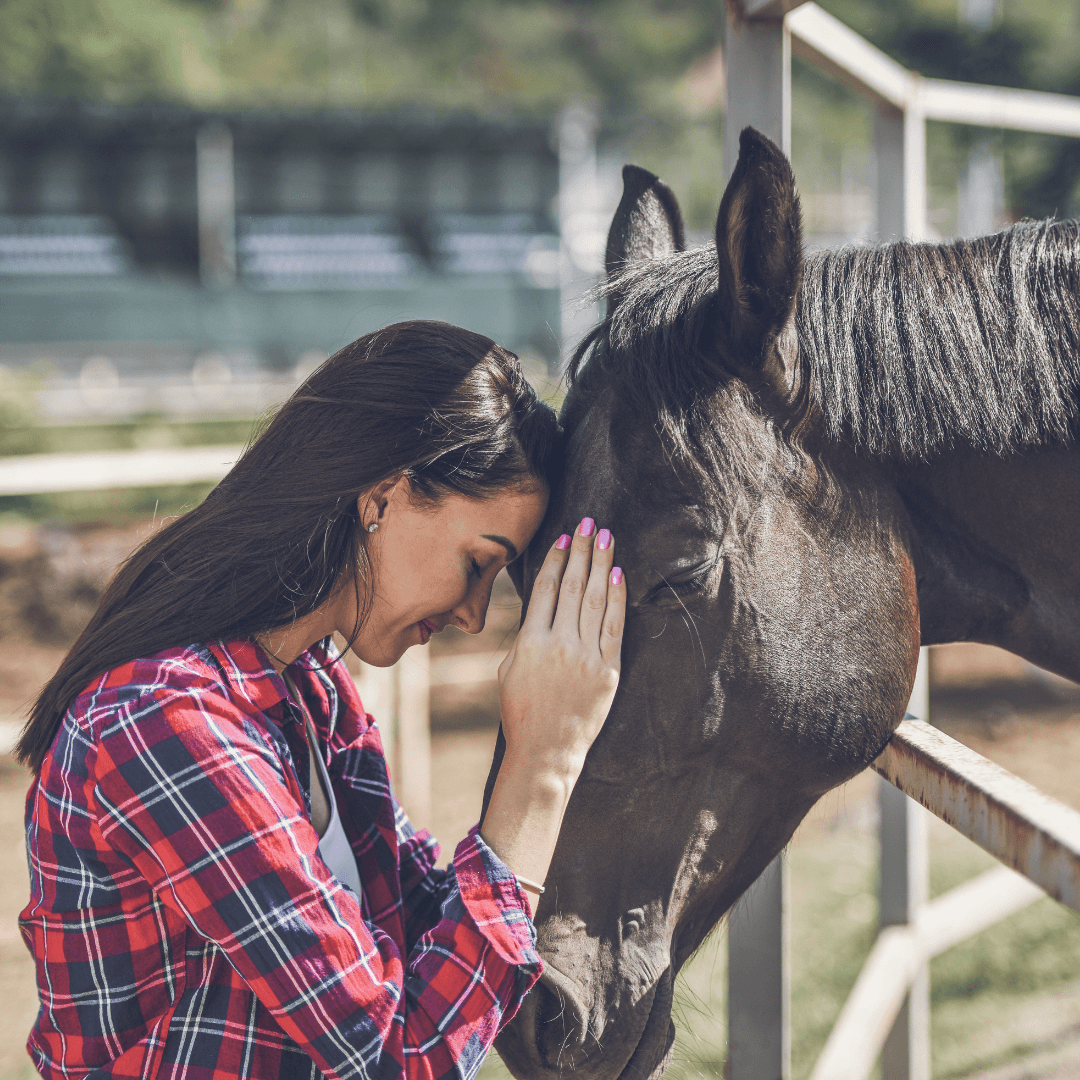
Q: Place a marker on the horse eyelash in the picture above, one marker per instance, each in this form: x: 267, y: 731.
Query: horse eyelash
x: 690, y: 584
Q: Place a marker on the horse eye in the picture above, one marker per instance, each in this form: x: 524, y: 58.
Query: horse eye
x: 674, y: 589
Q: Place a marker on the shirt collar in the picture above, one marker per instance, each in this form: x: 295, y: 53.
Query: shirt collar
x: 250, y: 672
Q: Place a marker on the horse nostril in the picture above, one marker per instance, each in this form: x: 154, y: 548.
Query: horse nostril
x: 561, y: 1023
x: 632, y: 922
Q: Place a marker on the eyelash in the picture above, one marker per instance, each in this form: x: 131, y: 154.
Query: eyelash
x: 476, y: 569
x: 685, y: 586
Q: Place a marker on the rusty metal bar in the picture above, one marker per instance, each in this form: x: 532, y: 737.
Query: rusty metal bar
x: 1008, y: 817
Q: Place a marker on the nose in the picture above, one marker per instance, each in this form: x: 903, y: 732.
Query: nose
x: 471, y: 614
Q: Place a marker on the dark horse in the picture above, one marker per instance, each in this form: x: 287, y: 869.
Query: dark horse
x: 811, y: 466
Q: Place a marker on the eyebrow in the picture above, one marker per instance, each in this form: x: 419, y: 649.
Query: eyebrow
x: 511, y: 551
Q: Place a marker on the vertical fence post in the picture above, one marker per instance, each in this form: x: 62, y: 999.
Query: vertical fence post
x: 413, y: 673
x: 581, y: 232
x: 900, y: 148
x: 759, y: 978
x: 758, y: 57
x: 216, y: 201
x: 757, y: 53
x: 905, y: 869
x: 400, y: 699
x: 915, y: 172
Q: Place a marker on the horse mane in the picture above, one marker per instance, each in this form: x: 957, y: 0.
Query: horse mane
x: 905, y: 349
x: 915, y: 348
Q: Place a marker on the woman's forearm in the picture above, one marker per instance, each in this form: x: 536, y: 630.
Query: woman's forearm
x: 523, y: 818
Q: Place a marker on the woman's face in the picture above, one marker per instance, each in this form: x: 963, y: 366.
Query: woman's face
x: 433, y: 566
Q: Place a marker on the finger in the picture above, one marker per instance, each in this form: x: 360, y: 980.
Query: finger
x: 595, y: 601
x: 572, y: 589
x: 545, y: 590
x: 614, y: 619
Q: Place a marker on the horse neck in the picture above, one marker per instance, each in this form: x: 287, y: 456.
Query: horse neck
x: 994, y: 543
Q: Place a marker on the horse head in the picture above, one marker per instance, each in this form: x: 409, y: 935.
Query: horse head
x: 772, y: 631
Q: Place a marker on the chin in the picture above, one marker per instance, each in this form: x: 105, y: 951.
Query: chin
x: 380, y: 658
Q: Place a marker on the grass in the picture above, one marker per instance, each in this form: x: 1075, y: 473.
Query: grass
x: 994, y: 998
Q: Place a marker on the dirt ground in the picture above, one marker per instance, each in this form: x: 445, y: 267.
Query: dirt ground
x: 1027, y: 721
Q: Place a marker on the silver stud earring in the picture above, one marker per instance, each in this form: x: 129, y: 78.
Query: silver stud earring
x: 373, y: 527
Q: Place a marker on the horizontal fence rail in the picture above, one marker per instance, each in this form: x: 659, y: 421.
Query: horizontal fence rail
x: 824, y: 41
x: 33, y: 474
x: 1006, y: 816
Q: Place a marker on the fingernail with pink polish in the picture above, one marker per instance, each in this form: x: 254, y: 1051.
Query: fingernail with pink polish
x: 616, y: 575
x: 586, y: 527
x: 563, y: 542
x: 603, y: 540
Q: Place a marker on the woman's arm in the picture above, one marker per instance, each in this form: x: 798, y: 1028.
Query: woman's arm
x: 556, y: 687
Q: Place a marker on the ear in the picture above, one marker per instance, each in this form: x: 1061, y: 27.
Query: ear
x: 372, y: 505
x: 759, y: 249
x: 647, y: 225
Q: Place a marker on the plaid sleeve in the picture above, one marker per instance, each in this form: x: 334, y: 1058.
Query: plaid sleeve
x: 187, y: 788
x: 424, y: 887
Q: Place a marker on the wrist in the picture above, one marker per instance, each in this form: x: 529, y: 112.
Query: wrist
x: 524, y: 817
x: 543, y: 790
x: 546, y: 774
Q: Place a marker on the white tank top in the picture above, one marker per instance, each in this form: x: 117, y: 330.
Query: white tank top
x: 334, y: 847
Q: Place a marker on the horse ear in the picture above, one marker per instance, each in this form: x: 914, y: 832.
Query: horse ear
x: 759, y: 248
x: 647, y: 225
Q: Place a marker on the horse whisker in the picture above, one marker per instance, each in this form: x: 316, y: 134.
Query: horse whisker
x: 696, y: 634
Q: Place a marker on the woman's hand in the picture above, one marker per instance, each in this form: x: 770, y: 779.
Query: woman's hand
x: 556, y: 687
x: 557, y: 683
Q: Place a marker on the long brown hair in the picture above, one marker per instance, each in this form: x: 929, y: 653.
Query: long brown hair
x: 447, y: 408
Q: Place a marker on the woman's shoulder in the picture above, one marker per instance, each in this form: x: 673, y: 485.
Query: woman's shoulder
x: 234, y: 671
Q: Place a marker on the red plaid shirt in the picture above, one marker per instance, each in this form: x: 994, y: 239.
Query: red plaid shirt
x: 183, y: 924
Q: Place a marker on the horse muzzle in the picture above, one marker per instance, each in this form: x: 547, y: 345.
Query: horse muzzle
x: 553, y: 1035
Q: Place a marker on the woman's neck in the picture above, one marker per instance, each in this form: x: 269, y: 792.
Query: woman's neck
x: 285, y: 643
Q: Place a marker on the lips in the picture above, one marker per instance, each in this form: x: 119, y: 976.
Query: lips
x: 426, y: 630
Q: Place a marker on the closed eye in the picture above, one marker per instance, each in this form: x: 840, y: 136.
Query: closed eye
x: 675, y: 588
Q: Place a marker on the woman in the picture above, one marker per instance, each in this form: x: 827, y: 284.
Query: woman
x: 202, y: 758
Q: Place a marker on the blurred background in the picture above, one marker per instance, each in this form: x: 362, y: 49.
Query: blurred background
x: 200, y: 200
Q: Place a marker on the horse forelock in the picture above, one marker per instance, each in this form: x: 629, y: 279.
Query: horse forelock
x: 910, y: 349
